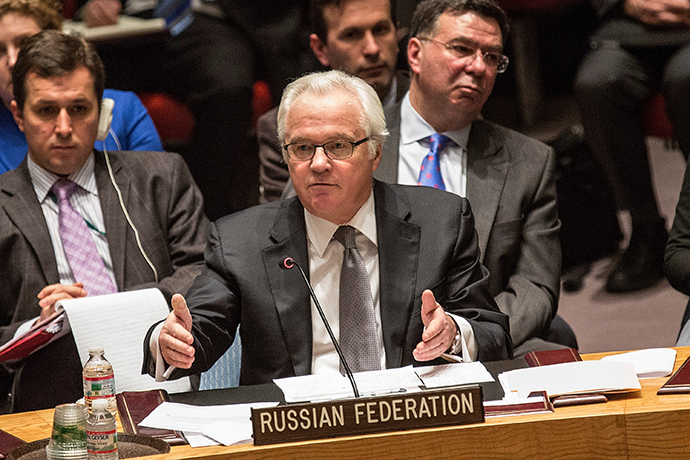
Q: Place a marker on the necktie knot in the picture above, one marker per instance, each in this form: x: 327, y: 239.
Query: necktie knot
x: 438, y: 142
x: 345, y: 235
x: 63, y: 189
x: 430, y: 171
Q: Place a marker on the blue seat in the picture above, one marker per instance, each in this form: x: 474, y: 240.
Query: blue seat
x: 225, y: 373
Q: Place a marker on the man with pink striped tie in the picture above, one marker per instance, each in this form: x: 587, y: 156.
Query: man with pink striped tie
x: 78, y: 222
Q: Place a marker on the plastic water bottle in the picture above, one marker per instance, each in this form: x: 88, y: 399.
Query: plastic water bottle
x: 101, y: 432
x: 99, y: 380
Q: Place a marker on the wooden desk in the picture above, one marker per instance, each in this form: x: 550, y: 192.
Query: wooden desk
x: 640, y: 425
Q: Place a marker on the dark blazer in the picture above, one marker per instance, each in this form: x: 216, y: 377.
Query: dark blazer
x: 165, y: 206
x: 512, y: 189
x: 426, y: 240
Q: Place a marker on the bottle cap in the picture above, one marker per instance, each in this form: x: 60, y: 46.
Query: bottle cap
x: 100, y: 404
x: 94, y: 349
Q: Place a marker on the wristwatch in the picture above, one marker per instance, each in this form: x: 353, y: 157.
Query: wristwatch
x: 456, y: 340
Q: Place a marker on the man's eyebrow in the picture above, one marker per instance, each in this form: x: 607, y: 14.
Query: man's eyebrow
x: 79, y: 100
x: 469, y: 41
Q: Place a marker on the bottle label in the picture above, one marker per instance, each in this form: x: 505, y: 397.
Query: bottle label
x: 99, y: 387
x: 101, y: 442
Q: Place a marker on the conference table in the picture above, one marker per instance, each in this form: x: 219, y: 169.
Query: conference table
x: 637, y: 425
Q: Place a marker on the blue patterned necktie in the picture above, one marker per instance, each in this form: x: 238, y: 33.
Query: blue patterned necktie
x: 430, y: 172
x: 358, y: 331
x: 83, y: 257
x: 177, y: 14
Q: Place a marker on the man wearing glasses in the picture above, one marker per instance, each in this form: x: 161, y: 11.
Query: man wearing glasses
x: 420, y: 292
x: 438, y: 138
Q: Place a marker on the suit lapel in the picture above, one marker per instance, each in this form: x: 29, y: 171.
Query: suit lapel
x: 115, y: 223
x: 289, y: 292
x: 23, y: 208
x: 398, y: 261
x: 487, y: 166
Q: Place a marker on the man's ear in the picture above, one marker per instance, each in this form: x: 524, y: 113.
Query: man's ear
x: 414, y: 50
x: 319, y: 49
x: 18, y: 115
x: 377, y: 158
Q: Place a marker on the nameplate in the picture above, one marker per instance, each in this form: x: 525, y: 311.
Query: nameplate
x: 378, y: 414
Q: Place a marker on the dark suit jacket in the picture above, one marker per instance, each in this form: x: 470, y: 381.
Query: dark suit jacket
x: 165, y: 206
x: 512, y: 189
x: 273, y: 172
x: 426, y: 240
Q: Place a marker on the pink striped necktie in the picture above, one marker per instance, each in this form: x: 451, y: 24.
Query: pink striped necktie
x: 83, y: 257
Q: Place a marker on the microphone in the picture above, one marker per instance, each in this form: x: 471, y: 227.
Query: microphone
x: 286, y: 264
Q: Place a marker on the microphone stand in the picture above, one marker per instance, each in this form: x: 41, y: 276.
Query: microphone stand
x: 284, y: 264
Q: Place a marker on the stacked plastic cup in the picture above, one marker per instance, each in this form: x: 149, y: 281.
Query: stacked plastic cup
x: 68, y: 440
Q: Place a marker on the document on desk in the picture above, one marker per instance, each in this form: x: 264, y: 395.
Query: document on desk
x: 445, y: 375
x: 579, y: 377
x: 649, y: 363
x: 119, y: 322
x: 227, y: 424
x: 316, y: 388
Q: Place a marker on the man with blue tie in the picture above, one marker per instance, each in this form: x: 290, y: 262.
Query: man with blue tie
x: 438, y: 138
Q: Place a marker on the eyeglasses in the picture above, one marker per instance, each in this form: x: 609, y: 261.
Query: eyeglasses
x: 339, y: 149
x: 496, y: 61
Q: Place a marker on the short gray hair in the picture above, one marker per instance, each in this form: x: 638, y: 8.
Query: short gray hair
x: 372, y: 121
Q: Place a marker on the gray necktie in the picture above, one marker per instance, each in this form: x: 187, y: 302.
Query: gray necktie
x: 358, y: 332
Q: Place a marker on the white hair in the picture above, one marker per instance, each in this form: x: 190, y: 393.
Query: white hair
x: 322, y: 83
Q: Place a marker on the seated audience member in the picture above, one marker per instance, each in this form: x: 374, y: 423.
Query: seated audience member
x: 214, y: 55
x: 131, y: 128
x: 358, y: 37
x: 677, y: 256
x: 455, y: 54
x: 422, y: 289
x: 61, y: 222
x: 642, y: 47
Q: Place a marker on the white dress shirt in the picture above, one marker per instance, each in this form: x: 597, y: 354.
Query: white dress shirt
x: 413, y: 148
x: 86, y: 202
x: 325, y: 263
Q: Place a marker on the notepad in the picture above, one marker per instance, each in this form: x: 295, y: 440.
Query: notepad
x: 120, y: 322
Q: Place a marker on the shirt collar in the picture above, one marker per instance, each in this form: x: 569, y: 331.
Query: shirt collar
x: 414, y: 128
x: 43, y: 180
x: 320, y: 231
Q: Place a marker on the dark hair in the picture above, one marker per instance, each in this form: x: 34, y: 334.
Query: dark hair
x: 52, y: 53
x: 318, y: 19
x: 46, y: 13
x: 426, y: 14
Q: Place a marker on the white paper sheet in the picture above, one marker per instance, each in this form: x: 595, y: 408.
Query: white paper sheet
x: 227, y: 424
x: 336, y: 386
x: 445, y: 375
x: 649, y: 363
x: 127, y: 26
x: 571, y: 378
x: 119, y: 322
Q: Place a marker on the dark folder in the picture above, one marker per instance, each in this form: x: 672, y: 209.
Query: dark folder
x: 679, y: 382
x: 135, y: 406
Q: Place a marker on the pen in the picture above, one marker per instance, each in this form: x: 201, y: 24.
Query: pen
x: 168, y: 371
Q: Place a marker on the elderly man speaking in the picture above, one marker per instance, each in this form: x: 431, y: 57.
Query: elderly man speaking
x: 396, y: 268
